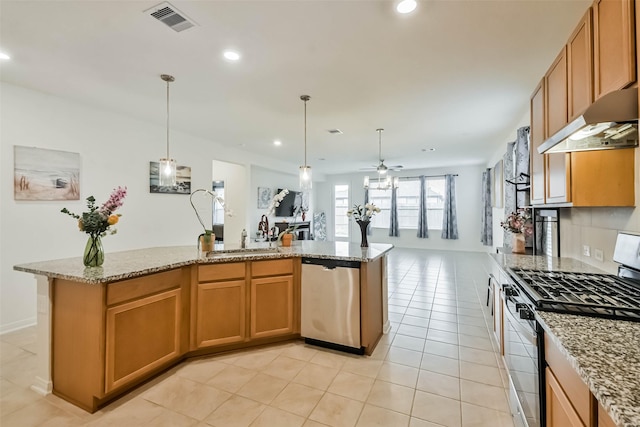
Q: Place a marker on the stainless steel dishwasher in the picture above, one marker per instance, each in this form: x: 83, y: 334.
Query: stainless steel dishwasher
x: 330, y: 308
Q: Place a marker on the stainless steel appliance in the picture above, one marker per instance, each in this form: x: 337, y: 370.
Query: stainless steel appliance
x: 546, y: 231
x: 331, y: 304
x: 589, y: 294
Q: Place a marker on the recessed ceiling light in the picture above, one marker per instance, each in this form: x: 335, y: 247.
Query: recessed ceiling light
x: 277, y: 143
x: 231, y: 55
x: 406, y: 6
x: 432, y: 149
x: 4, y: 56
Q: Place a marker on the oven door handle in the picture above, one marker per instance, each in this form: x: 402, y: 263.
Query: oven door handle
x: 525, y: 332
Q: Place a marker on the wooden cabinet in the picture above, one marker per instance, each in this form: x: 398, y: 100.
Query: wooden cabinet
x: 555, y: 101
x: 604, y: 420
x: 560, y: 412
x: 614, y: 45
x: 272, y: 298
x: 603, y: 178
x: 219, y: 305
x: 108, y: 337
x: 537, y: 137
x: 580, y: 67
x: 141, y: 335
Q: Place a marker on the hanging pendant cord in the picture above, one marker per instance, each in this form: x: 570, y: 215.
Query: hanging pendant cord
x: 305, y: 133
x: 167, y: 119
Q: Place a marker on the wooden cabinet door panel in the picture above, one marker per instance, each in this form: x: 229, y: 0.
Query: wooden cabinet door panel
x: 614, y: 45
x: 603, y: 178
x: 141, y: 336
x: 558, y: 178
x: 537, y: 138
x: 271, y: 306
x: 556, y: 94
x: 580, y: 66
x: 560, y: 413
x: 221, y: 313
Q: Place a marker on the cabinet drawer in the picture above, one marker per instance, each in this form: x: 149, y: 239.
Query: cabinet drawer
x: 142, y: 286
x: 225, y: 271
x: 575, y: 389
x: 275, y: 267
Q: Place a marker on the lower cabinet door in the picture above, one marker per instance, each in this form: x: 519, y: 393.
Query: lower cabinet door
x: 141, y: 335
x: 220, y: 313
x: 271, y: 306
x: 560, y: 412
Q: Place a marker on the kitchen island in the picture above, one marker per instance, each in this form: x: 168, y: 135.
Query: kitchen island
x: 601, y: 353
x: 104, y: 330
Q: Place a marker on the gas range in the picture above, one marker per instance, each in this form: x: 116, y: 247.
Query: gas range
x: 590, y: 294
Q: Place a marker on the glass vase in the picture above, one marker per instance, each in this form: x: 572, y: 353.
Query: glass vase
x: 93, y: 252
x: 364, y: 243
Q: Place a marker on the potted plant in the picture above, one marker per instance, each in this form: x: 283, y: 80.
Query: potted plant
x: 287, y: 236
x: 207, y: 239
x: 363, y: 215
x: 520, y: 225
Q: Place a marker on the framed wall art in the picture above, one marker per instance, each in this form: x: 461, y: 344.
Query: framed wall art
x: 264, y: 197
x: 183, y: 180
x: 498, y: 185
x: 43, y: 174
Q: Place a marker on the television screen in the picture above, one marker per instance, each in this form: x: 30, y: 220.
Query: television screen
x: 290, y: 202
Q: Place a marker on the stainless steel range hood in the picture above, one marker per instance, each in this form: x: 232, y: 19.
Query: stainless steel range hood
x: 610, y: 122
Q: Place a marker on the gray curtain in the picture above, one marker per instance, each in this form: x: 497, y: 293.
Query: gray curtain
x: 486, y: 230
x: 423, y: 229
x: 449, y: 217
x: 366, y: 200
x: 394, y: 228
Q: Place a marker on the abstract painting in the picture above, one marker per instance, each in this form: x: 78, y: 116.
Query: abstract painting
x: 183, y: 180
x: 43, y: 174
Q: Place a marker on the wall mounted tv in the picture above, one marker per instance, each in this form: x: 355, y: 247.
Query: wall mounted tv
x: 291, y: 202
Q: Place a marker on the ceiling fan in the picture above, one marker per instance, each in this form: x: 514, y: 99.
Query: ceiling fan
x: 381, y: 168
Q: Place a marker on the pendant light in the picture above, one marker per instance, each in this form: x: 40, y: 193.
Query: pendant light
x: 167, y: 165
x: 382, y: 170
x: 305, y: 171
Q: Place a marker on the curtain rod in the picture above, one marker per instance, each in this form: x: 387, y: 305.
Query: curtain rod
x: 426, y: 176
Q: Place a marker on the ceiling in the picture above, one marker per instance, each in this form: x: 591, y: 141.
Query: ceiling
x: 454, y: 75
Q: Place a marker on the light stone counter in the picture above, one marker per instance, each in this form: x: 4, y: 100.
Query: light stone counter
x: 605, y: 353
x: 128, y: 264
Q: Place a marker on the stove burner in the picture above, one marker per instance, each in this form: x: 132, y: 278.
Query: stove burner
x: 581, y: 293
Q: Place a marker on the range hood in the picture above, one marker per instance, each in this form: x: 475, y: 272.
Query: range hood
x: 610, y: 122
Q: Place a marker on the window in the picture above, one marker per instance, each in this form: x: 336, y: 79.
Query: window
x: 408, y: 197
x: 341, y: 206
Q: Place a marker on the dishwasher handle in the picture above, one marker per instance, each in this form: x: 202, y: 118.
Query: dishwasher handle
x: 331, y: 264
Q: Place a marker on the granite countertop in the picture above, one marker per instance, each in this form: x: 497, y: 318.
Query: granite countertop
x: 605, y: 353
x: 129, y: 264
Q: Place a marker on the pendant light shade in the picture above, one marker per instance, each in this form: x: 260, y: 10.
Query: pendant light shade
x: 305, y: 170
x: 167, y: 165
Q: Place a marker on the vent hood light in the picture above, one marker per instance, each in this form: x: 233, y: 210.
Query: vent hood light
x: 610, y: 122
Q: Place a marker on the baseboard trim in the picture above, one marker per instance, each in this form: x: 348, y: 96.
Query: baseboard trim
x: 15, y: 326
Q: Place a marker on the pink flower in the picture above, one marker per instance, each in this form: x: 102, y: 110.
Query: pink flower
x: 115, y: 201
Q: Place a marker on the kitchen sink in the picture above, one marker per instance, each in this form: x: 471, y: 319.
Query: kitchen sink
x: 230, y: 253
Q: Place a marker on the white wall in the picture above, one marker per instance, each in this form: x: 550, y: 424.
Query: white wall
x: 114, y: 150
x: 468, y: 187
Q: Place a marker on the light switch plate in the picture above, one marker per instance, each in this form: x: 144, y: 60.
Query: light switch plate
x: 586, y: 250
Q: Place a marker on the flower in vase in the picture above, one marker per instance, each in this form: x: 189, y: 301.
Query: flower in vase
x: 518, y: 222
x: 363, y: 212
x: 98, y: 220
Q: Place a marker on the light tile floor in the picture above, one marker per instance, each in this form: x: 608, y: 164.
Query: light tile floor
x: 437, y: 367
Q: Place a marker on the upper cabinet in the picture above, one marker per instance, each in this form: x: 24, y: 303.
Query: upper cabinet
x: 614, y: 45
x: 598, y: 58
x: 579, y: 67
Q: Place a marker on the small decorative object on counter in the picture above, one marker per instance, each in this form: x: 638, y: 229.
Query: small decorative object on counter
x: 362, y: 215
x: 286, y: 239
x: 96, y: 222
x: 518, y: 223
x: 243, y: 239
x: 287, y: 236
x: 207, y: 239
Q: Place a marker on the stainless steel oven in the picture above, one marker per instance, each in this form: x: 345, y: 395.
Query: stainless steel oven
x: 523, y: 352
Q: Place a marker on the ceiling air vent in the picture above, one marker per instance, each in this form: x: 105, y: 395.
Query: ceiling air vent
x: 335, y: 131
x: 171, y: 17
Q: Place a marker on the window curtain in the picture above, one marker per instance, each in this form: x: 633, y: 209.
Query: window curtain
x: 366, y: 200
x: 394, y: 228
x: 449, y: 217
x: 423, y: 229
x: 486, y: 231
